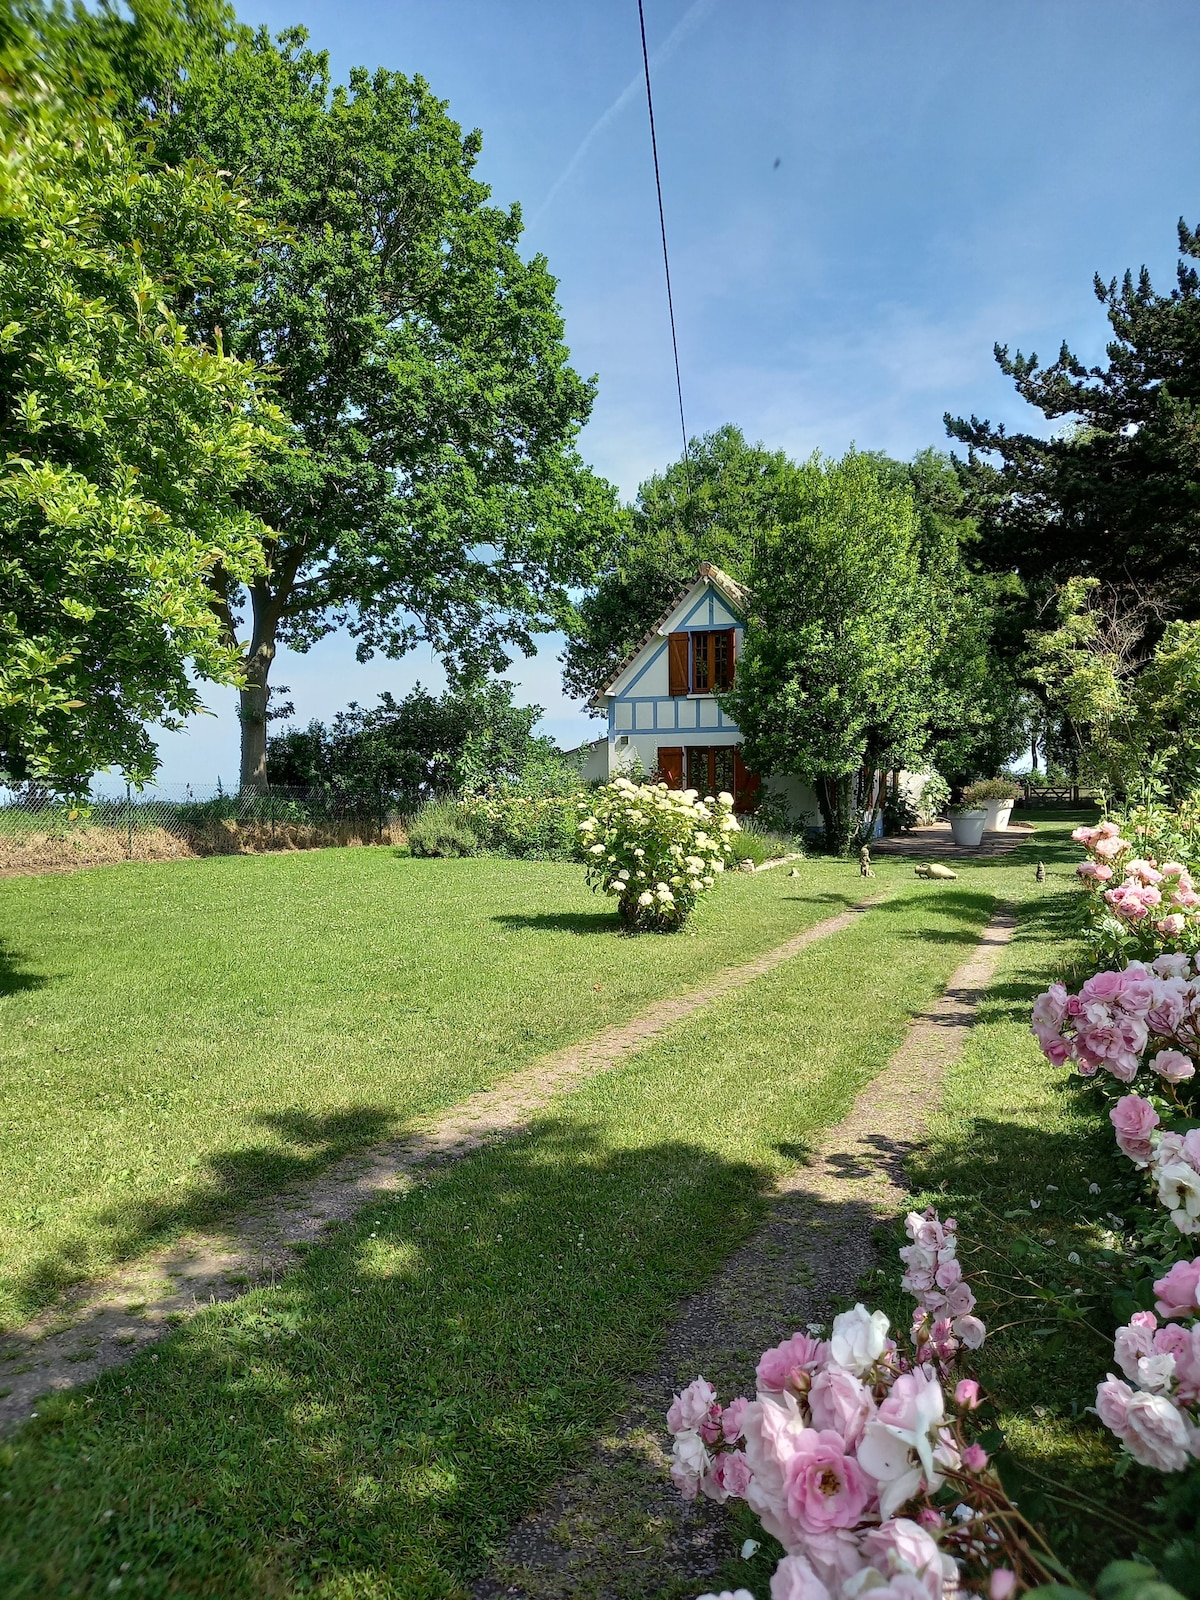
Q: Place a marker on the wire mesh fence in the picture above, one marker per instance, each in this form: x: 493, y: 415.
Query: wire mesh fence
x: 39, y: 829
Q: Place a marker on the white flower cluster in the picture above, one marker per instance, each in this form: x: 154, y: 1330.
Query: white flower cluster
x: 656, y: 849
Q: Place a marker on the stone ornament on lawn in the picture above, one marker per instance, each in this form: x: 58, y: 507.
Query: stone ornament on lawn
x: 934, y: 869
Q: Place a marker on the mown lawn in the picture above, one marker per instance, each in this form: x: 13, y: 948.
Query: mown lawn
x: 372, y: 1426
x: 178, y: 1038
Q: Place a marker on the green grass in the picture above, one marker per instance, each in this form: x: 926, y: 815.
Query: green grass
x: 373, y: 1425
x: 177, y: 1039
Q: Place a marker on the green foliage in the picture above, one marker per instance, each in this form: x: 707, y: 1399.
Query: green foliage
x: 757, y: 842
x: 1125, y: 706
x: 985, y: 789
x: 124, y: 437
x: 536, y: 817
x: 846, y: 623
x: 414, y: 750
x: 440, y: 496
x: 935, y: 797
x: 714, y: 507
x: 900, y: 814
x: 1120, y: 1580
x: 441, y: 829
x: 1112, y: 496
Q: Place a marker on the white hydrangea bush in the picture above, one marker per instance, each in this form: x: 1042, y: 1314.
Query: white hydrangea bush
x: 657, y: 849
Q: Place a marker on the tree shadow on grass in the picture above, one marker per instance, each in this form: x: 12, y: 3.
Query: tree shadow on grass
x: 581, y: 922
x: 382, y: 1416
x: 14, y: 977
x: 231, y: 1181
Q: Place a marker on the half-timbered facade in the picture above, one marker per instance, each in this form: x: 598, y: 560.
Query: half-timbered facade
x: 662, y: 706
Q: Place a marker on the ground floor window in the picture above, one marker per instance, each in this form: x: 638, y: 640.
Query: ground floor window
x: 708, y: 768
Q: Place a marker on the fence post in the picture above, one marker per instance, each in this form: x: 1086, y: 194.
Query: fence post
x: 128, y: 823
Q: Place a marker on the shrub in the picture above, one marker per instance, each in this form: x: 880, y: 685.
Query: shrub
x: 440, y: 829
x: 934, y: 797
x: 900, y: 813
x: 758, y: 843
x: 978, y: 794
x: 656, y: 849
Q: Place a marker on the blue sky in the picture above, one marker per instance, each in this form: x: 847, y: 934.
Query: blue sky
x: 862, y: 196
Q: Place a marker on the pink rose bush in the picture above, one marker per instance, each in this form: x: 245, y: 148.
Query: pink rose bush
x: 849, y: 1441
x: 1146, y: 1015
x: 1154, y: 1410
x: 1139, y: 907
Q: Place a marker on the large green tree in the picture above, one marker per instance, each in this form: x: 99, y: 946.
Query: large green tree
x: 714, y: 507
x: 438, y: 495
x: 1114, y: 492
x: 848, y: 616
x: 123, y: 436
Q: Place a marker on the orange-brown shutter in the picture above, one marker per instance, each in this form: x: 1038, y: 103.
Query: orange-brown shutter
x: 670, y: 764
x: 677, y: 663
x: 746, y: 784
x: 732, y: 656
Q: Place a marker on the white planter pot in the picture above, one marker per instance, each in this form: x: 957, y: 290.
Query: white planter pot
x: 998, y: 813
x: 967, y: 828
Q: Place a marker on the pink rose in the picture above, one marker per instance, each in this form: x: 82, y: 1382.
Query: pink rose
x: 1148, y: 1425
x: 971, y: 1331
x: 902, y: 1546
x: 1174, y: 869
x: 1172, y: 926
x: 729, y: 1478
x: 1109, y: 847
x: 731, y: 1419
x: 696, y: 1409
x: 1089, y: 870
x: 1134, y: 1119
x: 1169, y: 1008
x: 1179, y: 1291
x: 1138, y: 994
x: 1103, y: 986
x: 1187, y: 898
x: 689, y: 1463
x: 1051, y: 1007
x: 1002, y: 1584
x: 1146, y: 871
x: 1053, y: 1046
x: 975, y: 1458
x: 840, y: 1403
x: 1156, y: 1433
x: 825, y: 1487
x: 1112, y: 1404
x: 948, y: 1274
x: 1129, y: 1346
x: 1184, y: 1345
x: 960, y: 1301
x: 1171, y: 964
x: 794, y: 1579
x: 966, y: 1393
x: 1173, y: 1065
x: 798, y: 1354
x: 1085, y: 836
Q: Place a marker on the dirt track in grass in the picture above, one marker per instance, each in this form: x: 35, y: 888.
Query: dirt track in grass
x: 618, y: 1525
x: 106, y: 1324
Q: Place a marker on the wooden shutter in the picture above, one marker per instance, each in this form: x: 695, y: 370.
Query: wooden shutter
x: 670, y: 763
x: 746, y: 784
x: 677, y: 663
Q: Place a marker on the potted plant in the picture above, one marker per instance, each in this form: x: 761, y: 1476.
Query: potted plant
x: 967, y: 824
x: 996, y: 796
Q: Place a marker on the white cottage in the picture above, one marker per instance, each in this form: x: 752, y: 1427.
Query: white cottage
x: 661, y: 707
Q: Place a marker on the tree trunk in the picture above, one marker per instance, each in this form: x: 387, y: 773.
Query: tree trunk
x: 252, y: 709
x: 835, y: 796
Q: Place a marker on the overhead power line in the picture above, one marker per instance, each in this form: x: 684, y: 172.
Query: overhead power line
x: 662, y: 222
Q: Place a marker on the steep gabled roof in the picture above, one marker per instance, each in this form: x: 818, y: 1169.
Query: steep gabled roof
x: 736, y: 593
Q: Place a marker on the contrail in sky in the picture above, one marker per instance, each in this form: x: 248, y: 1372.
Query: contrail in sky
x: 636, y: 87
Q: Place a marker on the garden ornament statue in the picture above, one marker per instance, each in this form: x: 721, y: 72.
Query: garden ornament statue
x: 1041, y: 872
x: 934, y: 869
x: 865, y: 868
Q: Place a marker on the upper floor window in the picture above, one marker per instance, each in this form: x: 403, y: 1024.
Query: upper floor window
x: 712, y: 661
